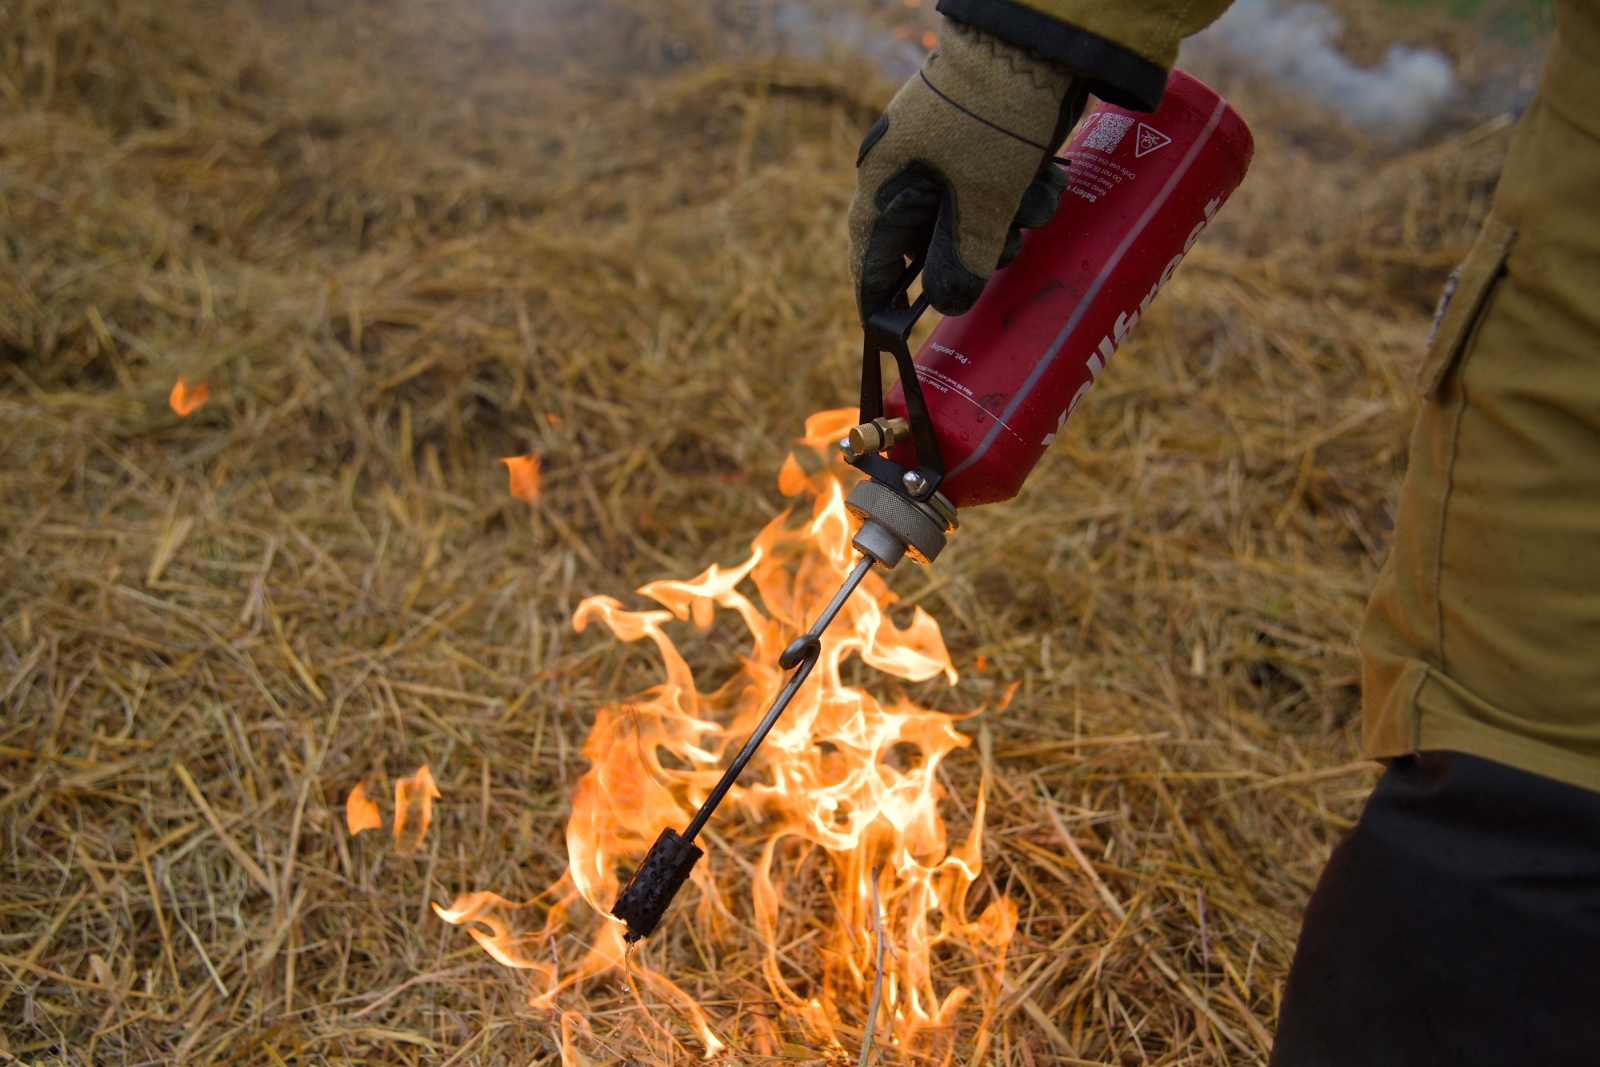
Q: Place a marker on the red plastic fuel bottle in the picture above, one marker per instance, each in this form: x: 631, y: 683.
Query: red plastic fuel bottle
x: 1001, y: 380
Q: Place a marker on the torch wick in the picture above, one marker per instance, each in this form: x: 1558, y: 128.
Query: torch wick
x: 800, y: 656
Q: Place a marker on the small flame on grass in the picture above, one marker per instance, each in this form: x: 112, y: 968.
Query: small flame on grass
x: 847, y: 782
x: 413, y: 808
x: 186, y: 398
x: 361, y: 811
x: 526, y: 476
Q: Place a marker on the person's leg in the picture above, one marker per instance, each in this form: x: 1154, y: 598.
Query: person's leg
x: 1458, y: 923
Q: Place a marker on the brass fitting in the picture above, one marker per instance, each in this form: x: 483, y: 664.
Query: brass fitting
x: 879, y: 435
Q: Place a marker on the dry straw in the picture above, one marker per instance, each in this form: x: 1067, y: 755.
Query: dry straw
x: 402, y: 239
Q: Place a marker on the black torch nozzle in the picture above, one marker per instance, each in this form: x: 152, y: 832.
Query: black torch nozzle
x: 644, y: 899
x: 666, y: 866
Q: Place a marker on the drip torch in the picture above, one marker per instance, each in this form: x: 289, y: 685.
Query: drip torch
x: 989, y: 390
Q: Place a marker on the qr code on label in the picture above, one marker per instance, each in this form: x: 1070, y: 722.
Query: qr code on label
x: 1106, y: 133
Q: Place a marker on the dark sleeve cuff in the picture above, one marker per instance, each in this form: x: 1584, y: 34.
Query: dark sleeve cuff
x: 1115, y: 74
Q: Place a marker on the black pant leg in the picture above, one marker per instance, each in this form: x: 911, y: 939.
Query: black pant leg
x: 1457, y: 924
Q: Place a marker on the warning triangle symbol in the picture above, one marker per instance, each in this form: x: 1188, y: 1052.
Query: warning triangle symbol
x: 1150, y: 139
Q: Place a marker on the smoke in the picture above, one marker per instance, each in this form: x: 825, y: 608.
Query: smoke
x: 1294, y: 45
x: 810, y: 28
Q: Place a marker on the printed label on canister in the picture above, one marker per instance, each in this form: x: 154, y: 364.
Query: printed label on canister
x: 1001, y: 379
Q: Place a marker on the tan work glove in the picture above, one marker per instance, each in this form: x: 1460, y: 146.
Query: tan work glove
x: 958, y: 165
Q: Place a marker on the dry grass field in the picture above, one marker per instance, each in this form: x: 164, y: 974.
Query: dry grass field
x: 400, y: 239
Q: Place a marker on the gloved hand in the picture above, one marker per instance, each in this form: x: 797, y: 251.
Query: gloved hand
x: 958, y: 165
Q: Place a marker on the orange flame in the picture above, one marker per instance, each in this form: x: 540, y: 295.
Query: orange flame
x: 526, y: 476
x: 825, y: 429
x: 413, y: 800
x: 845, y: 784
x: 791, y: 477
x: 361, y: 811
x: 570, y: 1056
x: 185, y: 399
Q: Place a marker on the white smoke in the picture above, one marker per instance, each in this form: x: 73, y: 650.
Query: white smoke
x: 809, y: 28
x: 1294, y: 45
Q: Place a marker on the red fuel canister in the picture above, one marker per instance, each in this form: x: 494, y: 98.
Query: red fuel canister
x: 1001, y: 380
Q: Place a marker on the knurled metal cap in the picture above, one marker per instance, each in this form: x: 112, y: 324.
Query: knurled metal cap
x: 915, y: 525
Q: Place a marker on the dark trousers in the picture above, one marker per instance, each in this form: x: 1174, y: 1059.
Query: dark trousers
x: 1457, y: 924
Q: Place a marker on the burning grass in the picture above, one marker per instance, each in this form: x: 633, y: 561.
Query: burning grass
x: 399, y: 241
x: 842, y: 830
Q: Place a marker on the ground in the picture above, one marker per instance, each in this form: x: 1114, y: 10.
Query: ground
x: 399, y: 239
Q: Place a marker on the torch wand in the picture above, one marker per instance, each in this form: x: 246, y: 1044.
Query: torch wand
x: 667, y: 865
x: 902, y: 513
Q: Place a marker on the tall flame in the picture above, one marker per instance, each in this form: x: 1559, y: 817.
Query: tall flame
x: 413, y: 808
x: 846, y: 785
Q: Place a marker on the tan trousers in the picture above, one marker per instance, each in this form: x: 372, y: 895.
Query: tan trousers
x: 1483, y: 634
